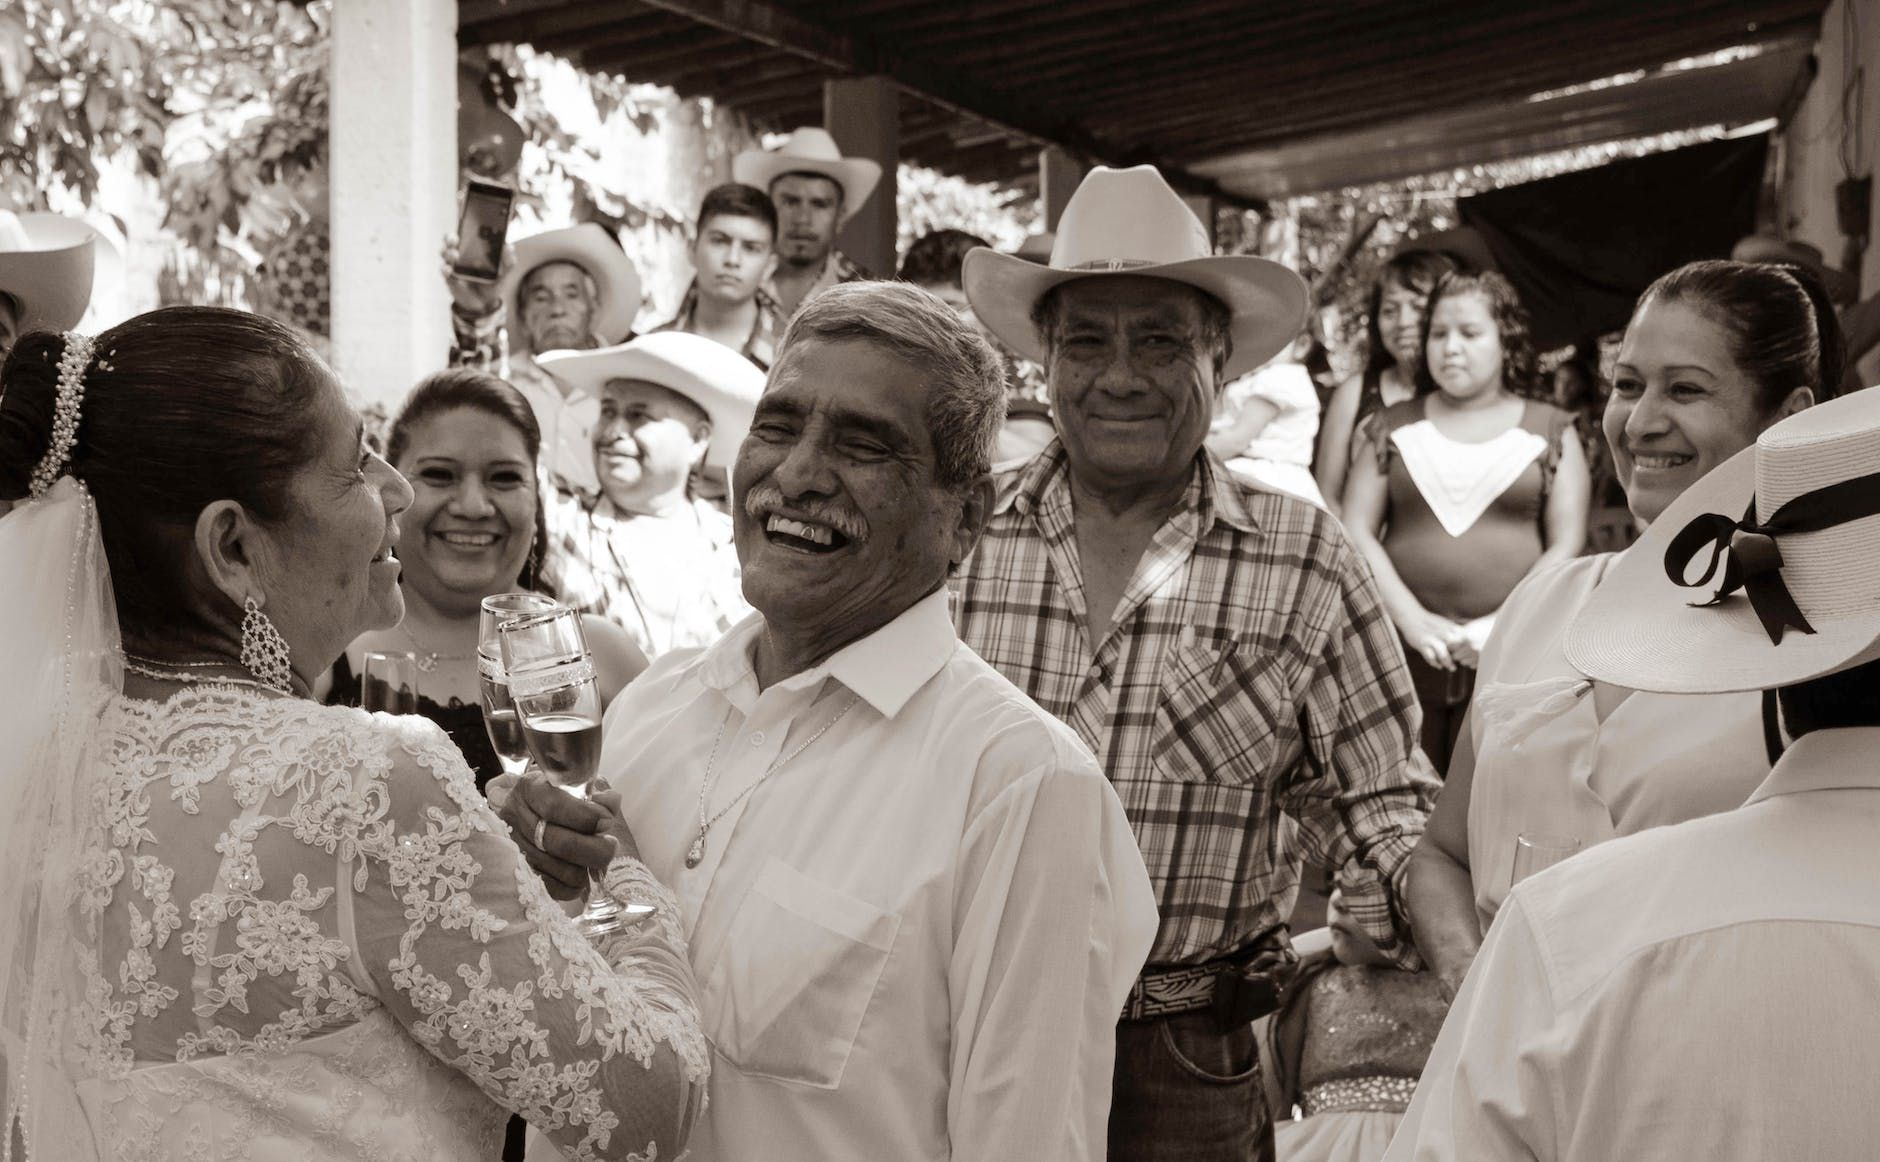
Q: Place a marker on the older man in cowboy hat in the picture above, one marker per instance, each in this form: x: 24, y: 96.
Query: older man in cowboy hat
x: 644, y: 551
x: 1221, y: 647
x: 567, y: 289
x: 816, y: 191
x: 1706, y: 990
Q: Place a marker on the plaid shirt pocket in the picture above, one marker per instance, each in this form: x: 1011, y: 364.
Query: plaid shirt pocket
x: 1215, y: 714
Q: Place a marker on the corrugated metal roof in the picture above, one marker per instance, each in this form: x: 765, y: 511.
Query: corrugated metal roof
x: 1216, y: 92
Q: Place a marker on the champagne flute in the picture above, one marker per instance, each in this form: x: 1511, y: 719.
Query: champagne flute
x: 388, y: 681
x: 1536, y: 853
x: 499, y: 713
x: 551, y: 681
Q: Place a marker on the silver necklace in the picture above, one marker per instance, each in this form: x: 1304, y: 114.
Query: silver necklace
x: 427, y: 659
x: 697, y: 852
x: 131, y: 663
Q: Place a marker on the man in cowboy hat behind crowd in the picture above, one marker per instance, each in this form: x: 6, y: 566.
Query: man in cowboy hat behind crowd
x: 1221, y: 648
x: 644, y: 551
x: 1706, y: 990
x: 816, y: 190
x: 567, y: 289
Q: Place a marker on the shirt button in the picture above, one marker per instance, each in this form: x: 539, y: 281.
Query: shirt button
x: 757, y: 738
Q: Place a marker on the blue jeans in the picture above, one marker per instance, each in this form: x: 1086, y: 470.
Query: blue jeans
x: 1187, y: 1091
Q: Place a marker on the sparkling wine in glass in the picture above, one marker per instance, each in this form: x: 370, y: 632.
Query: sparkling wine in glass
x: 388, y: 682
x: 551, y: 683
x: 499, y: 713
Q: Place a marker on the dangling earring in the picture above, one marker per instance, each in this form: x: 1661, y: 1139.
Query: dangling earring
x: 264, y: 650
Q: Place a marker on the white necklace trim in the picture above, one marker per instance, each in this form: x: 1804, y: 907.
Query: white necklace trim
x: 697, y: 851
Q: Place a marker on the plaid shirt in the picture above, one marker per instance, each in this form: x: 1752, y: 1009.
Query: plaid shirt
x: 766, y: 332
x: 838, y: 267
x: 1250, y: 702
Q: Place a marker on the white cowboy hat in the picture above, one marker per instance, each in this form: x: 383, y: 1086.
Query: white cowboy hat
x: 1793, y: 521
x: 590, y: 247
x: 810, y: 150
x: 1128, y: 221
x: 707, y: 372
x: 46, y: 265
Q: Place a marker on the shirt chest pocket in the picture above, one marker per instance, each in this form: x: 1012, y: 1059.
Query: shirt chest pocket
x: 787, y: 995
x: 1220, y: 713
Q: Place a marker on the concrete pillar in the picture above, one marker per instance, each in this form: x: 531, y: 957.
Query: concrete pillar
x: 394, y: 190
x: 863, y: 115
x: 1204, y: 208
x: 1058, y: 177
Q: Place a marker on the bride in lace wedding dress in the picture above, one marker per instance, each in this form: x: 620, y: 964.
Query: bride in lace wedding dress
x: 236, y: 924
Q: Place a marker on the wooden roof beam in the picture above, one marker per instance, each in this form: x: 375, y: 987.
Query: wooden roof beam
x: 851, y: 53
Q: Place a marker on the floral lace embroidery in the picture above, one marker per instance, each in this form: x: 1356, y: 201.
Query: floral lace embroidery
x: 323, y: 778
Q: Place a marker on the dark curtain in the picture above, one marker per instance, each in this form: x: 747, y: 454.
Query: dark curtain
x: 1581, y: 247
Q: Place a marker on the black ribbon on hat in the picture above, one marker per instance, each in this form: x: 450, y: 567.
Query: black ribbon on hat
x: 1747, y: 552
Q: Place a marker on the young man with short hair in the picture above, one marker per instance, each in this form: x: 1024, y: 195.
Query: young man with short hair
x: 734, y: 252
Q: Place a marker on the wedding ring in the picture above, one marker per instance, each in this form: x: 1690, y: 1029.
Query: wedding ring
x: 541, y: 831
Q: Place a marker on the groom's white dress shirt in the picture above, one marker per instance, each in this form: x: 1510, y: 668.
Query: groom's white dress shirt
x: 1705, y: 990
x: 914, y: 938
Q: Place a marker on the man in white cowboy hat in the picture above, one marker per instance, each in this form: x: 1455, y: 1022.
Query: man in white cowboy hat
x: 816, y: 190
x: 1222, y: 648
x: 644, y: 551
x: 1706, y: 990
x: 567, y: 289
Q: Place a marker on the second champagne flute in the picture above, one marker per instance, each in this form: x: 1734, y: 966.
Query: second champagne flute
x: 499, y: 713
x: 551, y: 682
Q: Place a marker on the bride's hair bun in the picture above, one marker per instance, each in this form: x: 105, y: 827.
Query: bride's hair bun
x: 29, y: 387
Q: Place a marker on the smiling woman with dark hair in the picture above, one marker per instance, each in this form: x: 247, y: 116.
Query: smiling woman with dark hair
x: 468, y: 444
x: 1716, y: 352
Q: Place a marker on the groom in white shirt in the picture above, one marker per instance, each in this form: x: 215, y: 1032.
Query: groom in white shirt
x: 914, y: 904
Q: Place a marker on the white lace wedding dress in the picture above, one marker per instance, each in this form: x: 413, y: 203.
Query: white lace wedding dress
x: 316, y: 941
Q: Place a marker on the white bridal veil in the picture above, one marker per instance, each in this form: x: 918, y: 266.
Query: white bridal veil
x: 59, y: 663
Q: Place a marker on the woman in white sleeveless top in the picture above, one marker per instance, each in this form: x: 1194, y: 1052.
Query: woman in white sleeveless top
x: 1714, y: 354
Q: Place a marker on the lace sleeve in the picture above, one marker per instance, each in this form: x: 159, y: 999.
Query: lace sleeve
x: 599, y: 1049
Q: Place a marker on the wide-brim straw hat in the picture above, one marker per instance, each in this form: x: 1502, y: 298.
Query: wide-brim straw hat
x: 707, y: 372
x: 1128, y: 221
x: 590, y: 247
x: 46, y: 265
x: 810, y: 150
x: 483, y: 127
x: 1802, y: 555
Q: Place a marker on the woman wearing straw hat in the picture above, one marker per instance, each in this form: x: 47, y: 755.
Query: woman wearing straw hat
x: 1622, y: 1005
x: 1550, y: 762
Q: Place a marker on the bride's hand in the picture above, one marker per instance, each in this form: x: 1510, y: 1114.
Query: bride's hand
x: 577, y: 836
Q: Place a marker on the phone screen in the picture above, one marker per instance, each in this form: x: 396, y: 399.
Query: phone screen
x: 482, y: 229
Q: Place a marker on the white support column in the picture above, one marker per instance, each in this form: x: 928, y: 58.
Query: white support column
x: 863, y: 114
x: 394, y: 190
x: 1059, y: 175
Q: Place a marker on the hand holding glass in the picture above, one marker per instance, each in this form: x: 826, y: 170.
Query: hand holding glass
x: 551, y: 682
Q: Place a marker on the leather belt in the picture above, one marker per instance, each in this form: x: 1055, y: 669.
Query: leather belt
x: 1237, y: 989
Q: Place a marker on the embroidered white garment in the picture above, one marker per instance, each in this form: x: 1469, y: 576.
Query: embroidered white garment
x: 316, y: 941
x: 1460, y: 480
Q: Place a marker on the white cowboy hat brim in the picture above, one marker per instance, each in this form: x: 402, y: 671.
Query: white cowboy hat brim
x: 1268, y: 302
x: 718, y: 379
x: 590, y: 247
x: 857, y: 176
x: 1642, y: 631
x: 51, y: 281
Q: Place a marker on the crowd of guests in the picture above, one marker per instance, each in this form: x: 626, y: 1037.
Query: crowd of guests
x: 990, y: 658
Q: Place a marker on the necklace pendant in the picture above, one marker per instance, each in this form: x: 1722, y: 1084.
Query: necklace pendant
x: 697, y: 853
